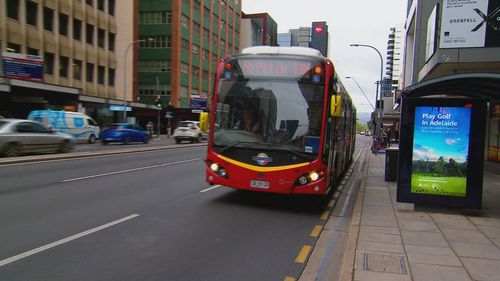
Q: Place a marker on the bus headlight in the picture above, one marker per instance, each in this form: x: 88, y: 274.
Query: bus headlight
x: 222, y: 173
x: 314, y: 176
x: 303, y: 180
x: 214, y: 167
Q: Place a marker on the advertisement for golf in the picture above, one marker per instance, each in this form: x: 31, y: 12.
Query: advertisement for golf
x: 440, y: 150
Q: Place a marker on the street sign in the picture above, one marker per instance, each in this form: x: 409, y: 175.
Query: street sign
x: 168, y: 114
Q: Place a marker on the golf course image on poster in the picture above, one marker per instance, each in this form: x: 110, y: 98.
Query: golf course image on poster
x: 440, y: 150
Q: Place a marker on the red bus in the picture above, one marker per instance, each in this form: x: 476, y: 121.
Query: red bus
x: 281, y: 122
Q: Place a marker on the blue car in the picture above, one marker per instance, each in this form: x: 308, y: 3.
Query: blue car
x: 124, y: 133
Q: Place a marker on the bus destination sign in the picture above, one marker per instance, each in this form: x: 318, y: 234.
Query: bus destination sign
x: 275, y: 68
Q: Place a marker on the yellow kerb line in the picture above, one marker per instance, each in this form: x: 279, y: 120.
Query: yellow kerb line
x: 304, y: 252
x: 316, y: 231
x: 324, y: 216
x: 288, y: 278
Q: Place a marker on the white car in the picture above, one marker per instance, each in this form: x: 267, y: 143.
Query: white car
x: 188, y: 131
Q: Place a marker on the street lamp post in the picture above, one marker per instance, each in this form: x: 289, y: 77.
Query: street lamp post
x: 125, y: 76
x: 381, y: 74
x: 363, y: 92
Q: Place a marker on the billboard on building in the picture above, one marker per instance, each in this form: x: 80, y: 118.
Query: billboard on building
x: 470, y: 23
x: 198, y: 102
x: 21, y: 66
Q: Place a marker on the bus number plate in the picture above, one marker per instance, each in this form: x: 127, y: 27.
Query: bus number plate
x: 259, y: 184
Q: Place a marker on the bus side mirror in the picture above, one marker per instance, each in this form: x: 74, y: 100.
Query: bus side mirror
x: 336, y: 106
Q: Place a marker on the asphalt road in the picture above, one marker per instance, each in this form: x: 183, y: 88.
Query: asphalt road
x: 146, y: 216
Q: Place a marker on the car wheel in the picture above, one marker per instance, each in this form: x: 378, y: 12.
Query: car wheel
x: 92, y: 139
x: 65, y: 147
x: 177, y: 141
x: 146, y: 139
x: 126, y: 140
x: 199, y: 138
x: 104, y: 142
x: 11, y: 150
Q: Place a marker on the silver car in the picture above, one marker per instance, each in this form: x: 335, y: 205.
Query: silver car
x: 18, y: 136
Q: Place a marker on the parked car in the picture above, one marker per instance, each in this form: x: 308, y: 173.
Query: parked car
x: 124, y: 133
x: 18, y: 136
x: 189, y: 131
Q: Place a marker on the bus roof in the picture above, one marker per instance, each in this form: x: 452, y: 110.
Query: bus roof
x: 269, y: 50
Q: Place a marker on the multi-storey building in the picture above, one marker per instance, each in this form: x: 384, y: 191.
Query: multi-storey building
x: 78, y: 44
x: 188, y: 39
x: 444, y: 38
x: 316, y: 37
x: 258, y: 29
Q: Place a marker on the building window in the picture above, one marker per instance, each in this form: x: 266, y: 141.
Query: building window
x: 195, y: 50
x: 158, y: 41
x: 13, y: 48
x: 101, y: 34
x: 111, y: 7
x: 63, y: 24
x: 111, y: 77
x: 184, y: 68
x: 205, y: 55
x: 90, y: 34
x: 111, y: 41
x: 185, y: 21
x: 100, y: 5
x: 185, y: 45
x: 77, y: 69
x: 196, y: 29
x: 48, y: 19
x: 32, y: 51
x: 90, y: 72
x: 48, y: 63
x: 196, y: 6
x: 63, y: 66
x: 205, y: 75
x: 206, y: 34
x: 77, y: 29
x: 31, y: 13
x: 196, y: 72
x: 101, y: 70
x: 153, y: 66
x: 155, y: 17
x: 13, y: 9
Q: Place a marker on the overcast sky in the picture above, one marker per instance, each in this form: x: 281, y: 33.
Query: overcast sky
x: 351, y: 21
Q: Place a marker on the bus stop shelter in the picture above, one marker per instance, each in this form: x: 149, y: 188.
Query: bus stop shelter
x: 444, y: 124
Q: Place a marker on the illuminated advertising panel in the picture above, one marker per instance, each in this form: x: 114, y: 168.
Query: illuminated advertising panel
x: 440, y: 150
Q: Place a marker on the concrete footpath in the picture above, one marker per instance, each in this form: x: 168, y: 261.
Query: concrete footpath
x: 391, y: 241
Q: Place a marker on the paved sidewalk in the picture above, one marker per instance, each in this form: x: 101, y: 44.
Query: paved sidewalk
x: 397, y: 241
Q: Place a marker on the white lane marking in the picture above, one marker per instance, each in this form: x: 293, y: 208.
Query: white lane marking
x: 132, y: 170
x: 65, y: 240
x: 210, y: 188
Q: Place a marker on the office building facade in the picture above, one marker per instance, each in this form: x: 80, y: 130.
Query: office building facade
x: 78, y: 45
x: 443, y: 39
x: 188, y: 39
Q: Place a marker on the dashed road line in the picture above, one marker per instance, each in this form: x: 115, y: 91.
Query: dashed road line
x: 131, y: 170
x: 65, y: 240
x: 210, y: 188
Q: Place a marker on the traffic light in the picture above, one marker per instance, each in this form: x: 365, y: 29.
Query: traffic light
x: 158, y: 103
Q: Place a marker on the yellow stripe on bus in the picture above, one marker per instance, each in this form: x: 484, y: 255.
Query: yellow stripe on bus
x: 262, y: 169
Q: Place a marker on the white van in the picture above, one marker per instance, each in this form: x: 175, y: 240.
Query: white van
x: 79, y: 125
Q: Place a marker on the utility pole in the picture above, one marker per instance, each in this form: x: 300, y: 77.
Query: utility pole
x: 159, y: 109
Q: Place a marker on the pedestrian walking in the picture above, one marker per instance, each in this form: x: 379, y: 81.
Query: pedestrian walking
x: 149, y: 127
